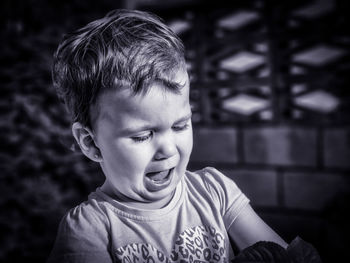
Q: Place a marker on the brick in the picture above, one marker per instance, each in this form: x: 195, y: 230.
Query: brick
x: 314, y: 191
x: 337, y: 148
x: 259, y: 186
x: 214, y: 145
x: 280, y: 146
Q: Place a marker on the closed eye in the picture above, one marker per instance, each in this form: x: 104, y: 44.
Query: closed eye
x: 142, y: 138
x: 181, y: 127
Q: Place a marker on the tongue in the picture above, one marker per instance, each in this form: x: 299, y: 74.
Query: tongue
x: 158, y: 176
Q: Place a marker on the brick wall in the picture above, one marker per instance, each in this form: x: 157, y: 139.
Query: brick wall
x: 295, y: 176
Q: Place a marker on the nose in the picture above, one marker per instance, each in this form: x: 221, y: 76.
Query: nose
x: 166, y: 148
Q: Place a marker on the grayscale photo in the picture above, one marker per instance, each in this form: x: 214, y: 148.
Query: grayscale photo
x: 175, y: 131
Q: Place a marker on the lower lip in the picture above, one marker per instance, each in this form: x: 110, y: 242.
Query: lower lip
x: 154, y: 186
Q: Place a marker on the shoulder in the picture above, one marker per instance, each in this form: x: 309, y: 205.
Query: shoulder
x: 221, y: 189
x: 211, y: 179
x: 208, y: 173
x: 84, y: 230
x: 89, y: 214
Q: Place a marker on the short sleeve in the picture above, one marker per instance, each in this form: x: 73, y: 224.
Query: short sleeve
x: 230, y: 198
x: 82, y: 237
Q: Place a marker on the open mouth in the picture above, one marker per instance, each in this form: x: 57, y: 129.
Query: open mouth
x: 160, y: 177
x: 157, y: 181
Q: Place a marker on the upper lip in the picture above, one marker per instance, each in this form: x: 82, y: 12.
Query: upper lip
x: 163, y: 165
x: 160, y: 170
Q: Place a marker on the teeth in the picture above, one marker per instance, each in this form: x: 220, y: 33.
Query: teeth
x: 158, y: 176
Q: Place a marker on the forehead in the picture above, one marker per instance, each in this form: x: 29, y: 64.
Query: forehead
x: 158, y: 101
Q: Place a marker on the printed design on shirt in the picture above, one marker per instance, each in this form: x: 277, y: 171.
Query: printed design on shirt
x: 198, y: 244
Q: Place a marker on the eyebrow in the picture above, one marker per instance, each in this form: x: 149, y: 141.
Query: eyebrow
x: 149, y: 127
x: 185, y: 118
x: 174, y: 86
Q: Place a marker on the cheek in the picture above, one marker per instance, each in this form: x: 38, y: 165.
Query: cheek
x: 186, y: 144
x: 133, y: 158
x: 120, y: 157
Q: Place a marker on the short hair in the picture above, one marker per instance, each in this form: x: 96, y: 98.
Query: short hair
x: 126, y: 48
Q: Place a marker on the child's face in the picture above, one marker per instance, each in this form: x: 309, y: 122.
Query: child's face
x: 145, y: 142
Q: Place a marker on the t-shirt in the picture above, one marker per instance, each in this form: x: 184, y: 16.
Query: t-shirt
x: 192, y: 227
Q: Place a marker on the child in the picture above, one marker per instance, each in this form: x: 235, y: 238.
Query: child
x: 124, y: 81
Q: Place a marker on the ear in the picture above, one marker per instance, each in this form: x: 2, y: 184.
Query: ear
x: 85, y: 138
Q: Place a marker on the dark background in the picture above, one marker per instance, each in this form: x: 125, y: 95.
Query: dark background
x: 289, y: 152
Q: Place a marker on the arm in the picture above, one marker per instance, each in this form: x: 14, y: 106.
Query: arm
x: 248, y: 228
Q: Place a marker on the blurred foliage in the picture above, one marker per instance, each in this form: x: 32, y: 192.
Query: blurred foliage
x: 41, y: 177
